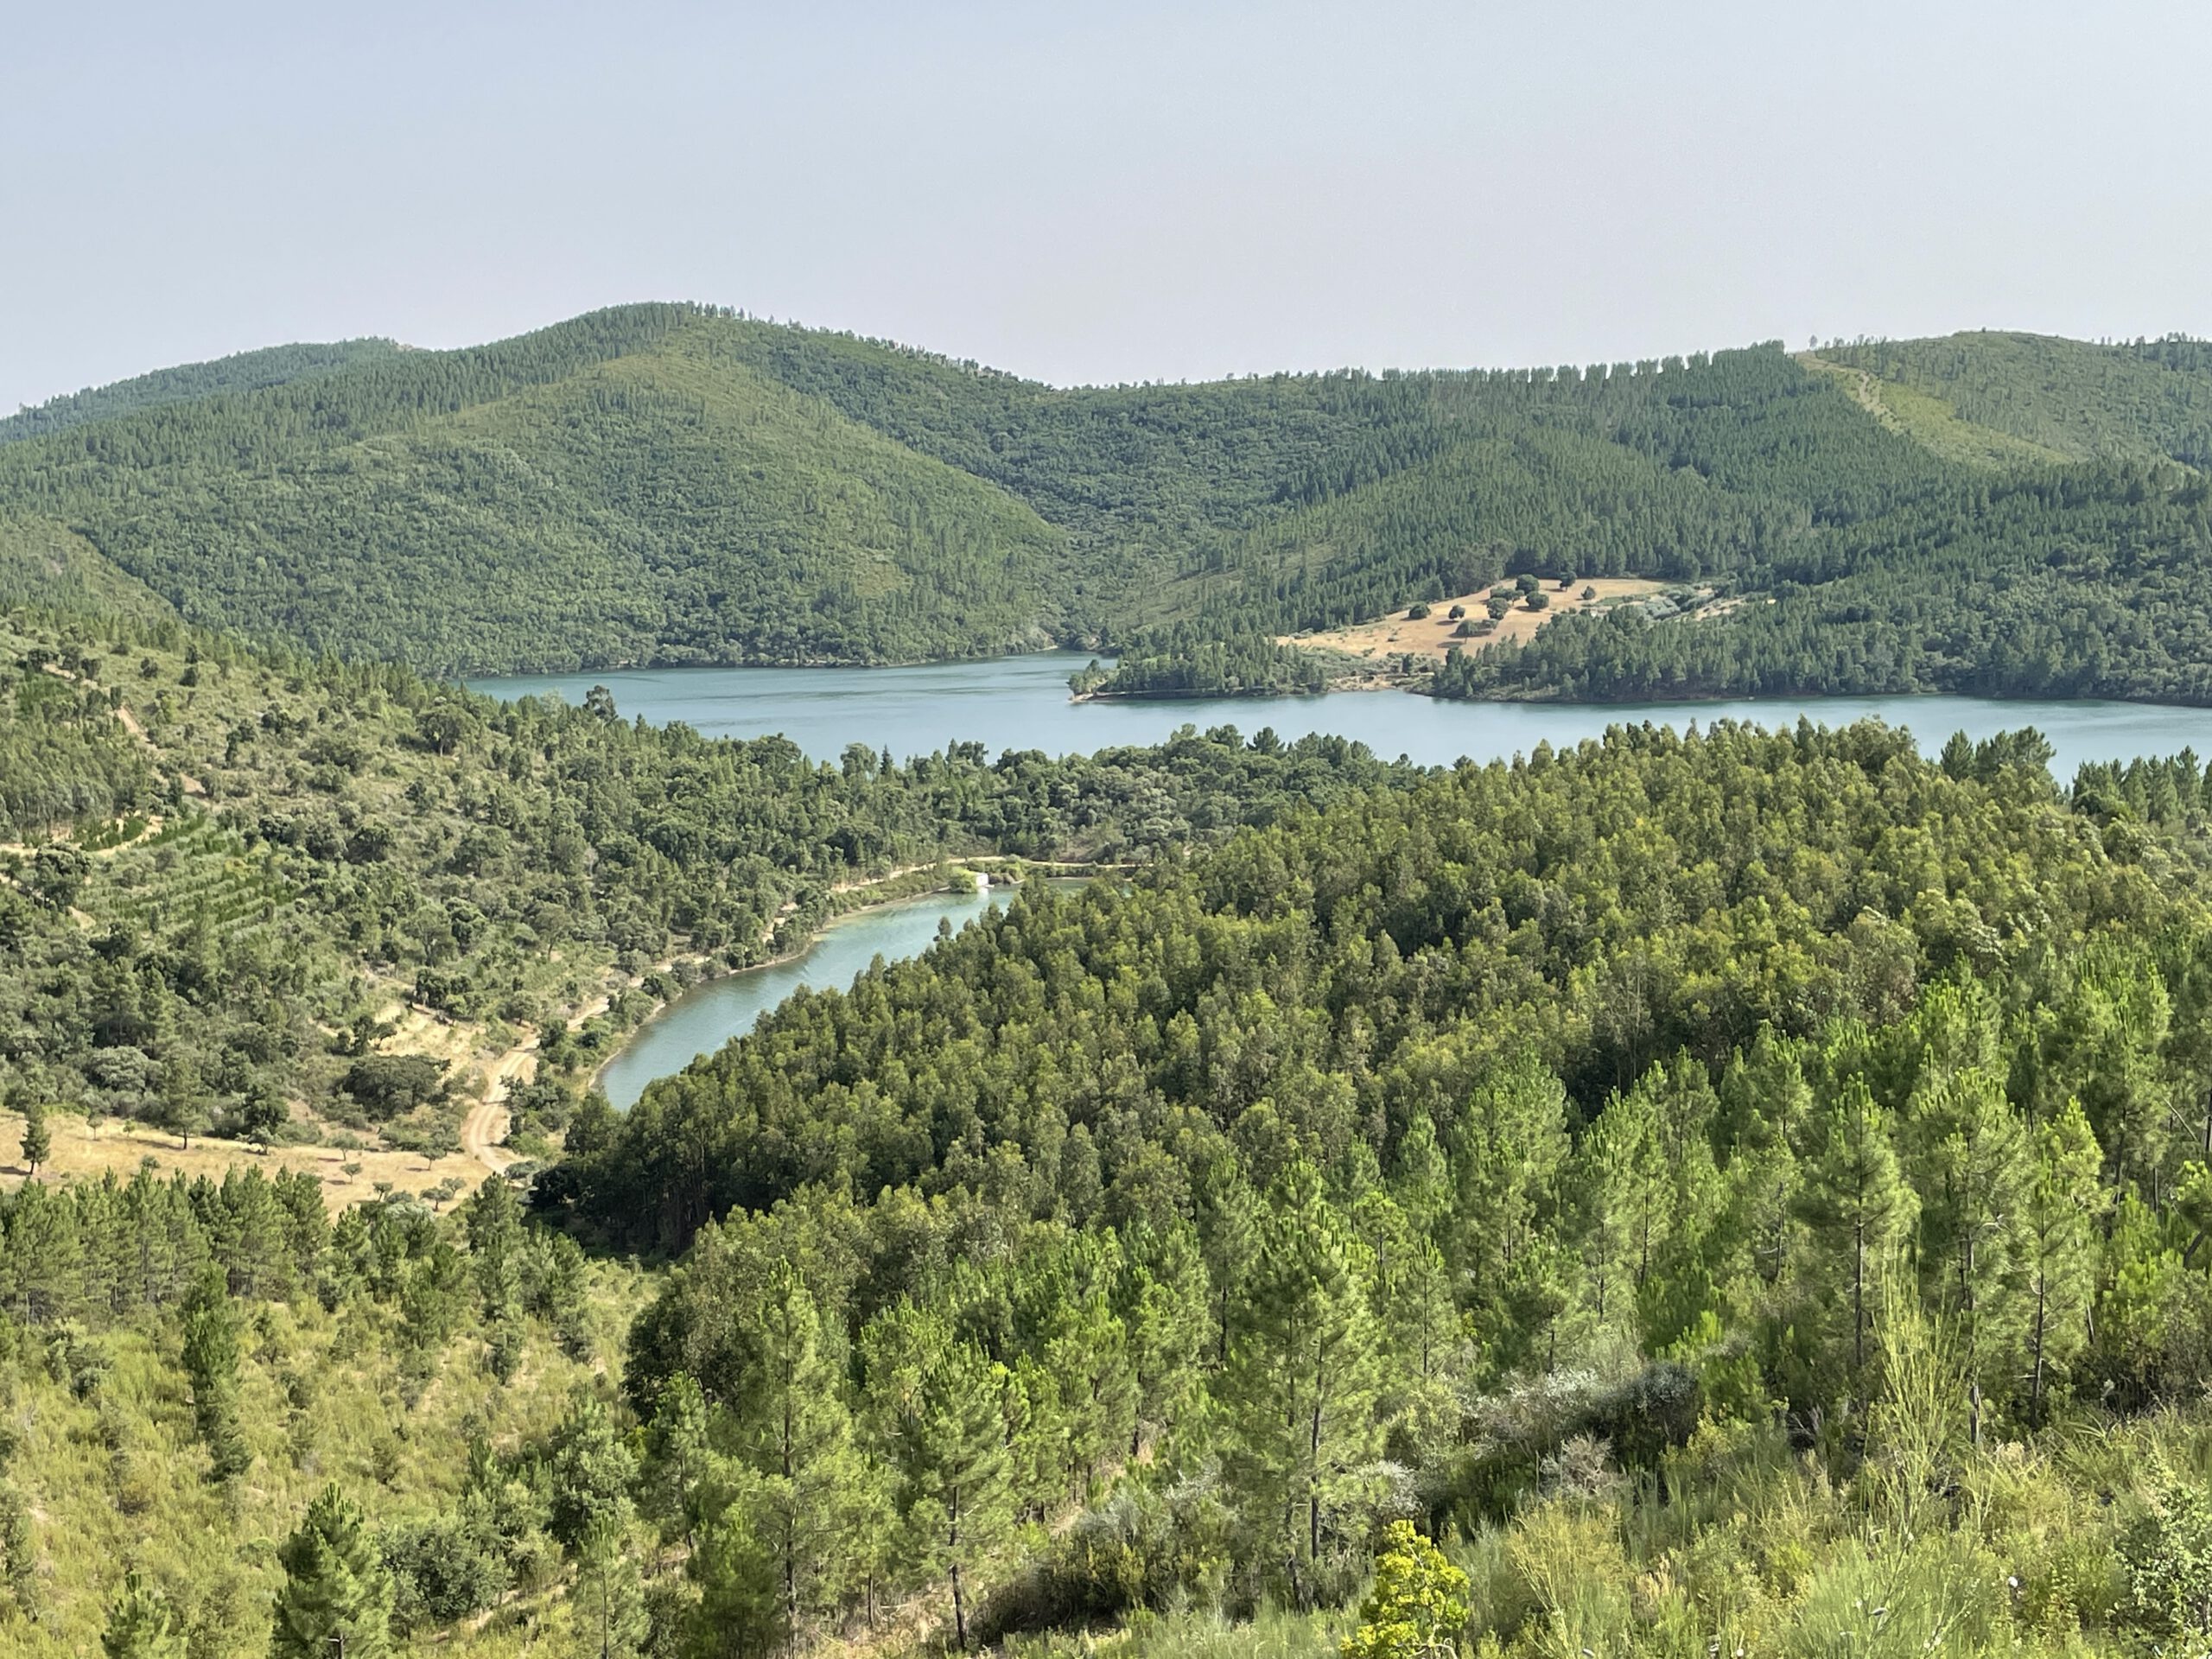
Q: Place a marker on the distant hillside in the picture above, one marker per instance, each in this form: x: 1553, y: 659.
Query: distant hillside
x: 610, y: 490
x: 2149, y: 401
x: 669, y: 483
x: 272, y: 366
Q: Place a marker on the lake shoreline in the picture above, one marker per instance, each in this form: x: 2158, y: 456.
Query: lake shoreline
x: 1029, y: 870
x: 1023, y: 703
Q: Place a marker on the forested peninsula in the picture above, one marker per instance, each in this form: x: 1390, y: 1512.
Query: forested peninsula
x: 1991, y: 514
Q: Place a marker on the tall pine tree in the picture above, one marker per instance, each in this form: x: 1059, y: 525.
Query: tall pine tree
x: 335, y: 1602
x: 1302, y: 1386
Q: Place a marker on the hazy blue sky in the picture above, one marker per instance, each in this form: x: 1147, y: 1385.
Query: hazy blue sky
x: 1103, y: 191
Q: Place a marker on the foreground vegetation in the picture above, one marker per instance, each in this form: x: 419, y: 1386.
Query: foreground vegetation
x: 1739, y: 1192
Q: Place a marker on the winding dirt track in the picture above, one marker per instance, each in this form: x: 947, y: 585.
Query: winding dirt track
x: 485, y: 1126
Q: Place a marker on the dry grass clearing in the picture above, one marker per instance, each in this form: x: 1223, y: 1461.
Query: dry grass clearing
x: 1427, y: 639
x: 120, y: 1145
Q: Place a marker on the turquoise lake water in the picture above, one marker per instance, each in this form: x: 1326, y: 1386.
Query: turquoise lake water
x: 1021, y: 703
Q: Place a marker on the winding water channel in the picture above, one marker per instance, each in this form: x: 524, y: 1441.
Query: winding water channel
x: 1021, y: 703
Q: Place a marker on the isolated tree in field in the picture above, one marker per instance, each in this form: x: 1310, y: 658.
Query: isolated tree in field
x: 1417, y: 1606
x: 141, y: 1625
x: 211, y: 1360
x: 38, y: 1140
x: 335, y: 1602
x: 184, y: 1107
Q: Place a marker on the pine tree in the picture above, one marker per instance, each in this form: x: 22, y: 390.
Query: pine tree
x: 183, y: 1103
x: 794, y: 1429
x: 1623, y: 1192
x: 18, y: 1551
x: 1857, y: 1209
x: 38, y: 1140
x: 741, y: 1611
x: 678, y: 1455
x: 938, y: 1404
x: 492, y: 1220
x: 1230, y: 1217
x: 610, y: 1620
x: 1423, y: 1184
x: 1507, y: 1153
x: 1302, y: 1383
x: 1171, y: 1335
x: 335, y: 1602
x: 1764, y: 1103
x: 589, y: 1475
x: 2058, y: 1246
x: 211, y: 1358
x: 141, y: 1625
x: 1420, y: 1321
x: 1971, y: 1220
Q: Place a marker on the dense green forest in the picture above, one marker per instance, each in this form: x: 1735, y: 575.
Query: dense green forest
x: 675, y: 484
x: 1677, y: 1195
x: 2148, y: 401
x: 258, y: 860
x: 273, y: 366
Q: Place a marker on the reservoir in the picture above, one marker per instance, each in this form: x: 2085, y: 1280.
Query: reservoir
x: 1021, y: 703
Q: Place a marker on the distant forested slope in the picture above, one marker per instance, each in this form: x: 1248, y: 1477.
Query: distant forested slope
x: 2148, y: 401
x: 272, y: 366
x: 670, y: 483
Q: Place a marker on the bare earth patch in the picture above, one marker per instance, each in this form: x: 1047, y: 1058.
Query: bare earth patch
x: 1430, y: 638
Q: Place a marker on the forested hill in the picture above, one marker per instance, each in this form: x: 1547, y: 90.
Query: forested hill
x: 2064, y: 399
x: 673, y: 483
x: 1610, y: 1161
x: 273, y: 366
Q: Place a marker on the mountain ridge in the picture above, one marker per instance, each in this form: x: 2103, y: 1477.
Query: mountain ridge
x: 672, y: 483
